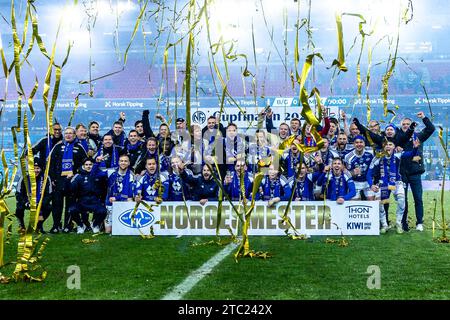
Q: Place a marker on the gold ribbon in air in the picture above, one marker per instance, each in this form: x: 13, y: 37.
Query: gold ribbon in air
x: 340, y: 61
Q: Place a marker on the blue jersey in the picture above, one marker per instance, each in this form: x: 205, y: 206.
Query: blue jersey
x: 304, y: 189
x: 120, y: 186
x: 256, y: 153
x: 148, y: 186
x: 270, y: 189
x: 175, y: 189
x: 387, y: 169
x: 337, y: 186
x: 343, y: 152
x: 353, y: 161
x: 290, y: 162
x: 233, y: 189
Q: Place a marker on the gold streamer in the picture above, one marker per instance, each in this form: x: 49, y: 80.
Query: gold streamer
x: 26, y: 256
x: 444, y: 238
x: 149, y: 207
x: 244, y: 248
x: 89, y: 241
x: 340, y: 61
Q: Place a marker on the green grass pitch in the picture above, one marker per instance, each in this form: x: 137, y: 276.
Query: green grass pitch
x: 412, y: 266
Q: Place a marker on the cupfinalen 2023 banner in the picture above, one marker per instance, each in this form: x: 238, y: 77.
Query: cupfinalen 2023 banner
x: 308, y: 217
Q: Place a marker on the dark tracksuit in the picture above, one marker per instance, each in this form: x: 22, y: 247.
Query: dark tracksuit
x: 43, y: 148
x: 142, y: 160
x: 411, y: 172
x: 62, y: 183
x: 119, y: 141
x: 87, y: 196
x: 175, y: 189
x: 97, y: 139
x: 23, y: 202
x: 400, y: 137
x: 134, y: 152
x: 201, y: 188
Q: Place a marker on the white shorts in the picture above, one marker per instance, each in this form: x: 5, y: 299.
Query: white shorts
x: 108, y: 220
x: 399, y: 188
x: 364, y: 186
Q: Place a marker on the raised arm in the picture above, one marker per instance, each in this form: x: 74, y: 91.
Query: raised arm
x: 428, y: 130
x: 146, y: 124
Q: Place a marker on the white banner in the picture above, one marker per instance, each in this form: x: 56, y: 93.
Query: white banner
x: 250, y: 118
x: 308, y: 217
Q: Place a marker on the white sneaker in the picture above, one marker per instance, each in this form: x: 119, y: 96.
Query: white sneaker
x: 383, y: 230
x: 419, y: 227
x: 95, y: 229
x: 399, y: 228
x: 80, y: 229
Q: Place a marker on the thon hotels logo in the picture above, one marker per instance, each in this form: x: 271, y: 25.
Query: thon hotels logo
x: 142, y: 218
x: 361, y: 209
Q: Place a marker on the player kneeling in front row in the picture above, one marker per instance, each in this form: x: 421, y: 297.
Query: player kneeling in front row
x: 86, y: 192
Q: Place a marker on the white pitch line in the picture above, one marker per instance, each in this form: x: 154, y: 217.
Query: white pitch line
x: 179, y: 291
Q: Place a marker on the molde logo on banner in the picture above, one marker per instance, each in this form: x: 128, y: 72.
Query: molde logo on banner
x: 142, y: 218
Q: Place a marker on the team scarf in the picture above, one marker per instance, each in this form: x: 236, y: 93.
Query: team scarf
x: 303, y: 190
x: 309, y: 142
x: 292, y: 163
x: 114, y: 160
x: 272, y: 189
x: 50, y: 145
x: 236, y: 185
x: 133, y: 147
x: 231, y: 146
x: 389, y: 172
x: 336, y: 187
x: 164, y: 162
x: 84, y: 143
x: 152, y: 155
x: 122, y: 187
x: 333, y: 140
x: 67, y: 160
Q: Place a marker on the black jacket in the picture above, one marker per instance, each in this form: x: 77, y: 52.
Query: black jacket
x: 119, y: 141
x: 56, y: 159
x: 21, y: 191
x: 86, y: 185
x: 41, y: 148
x: 201, y: 188
x: 97, y: 139
x: 400, y: 137
x: 408, y: 166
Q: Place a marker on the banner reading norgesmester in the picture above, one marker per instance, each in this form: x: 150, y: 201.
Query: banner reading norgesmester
x: 309, y: 217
